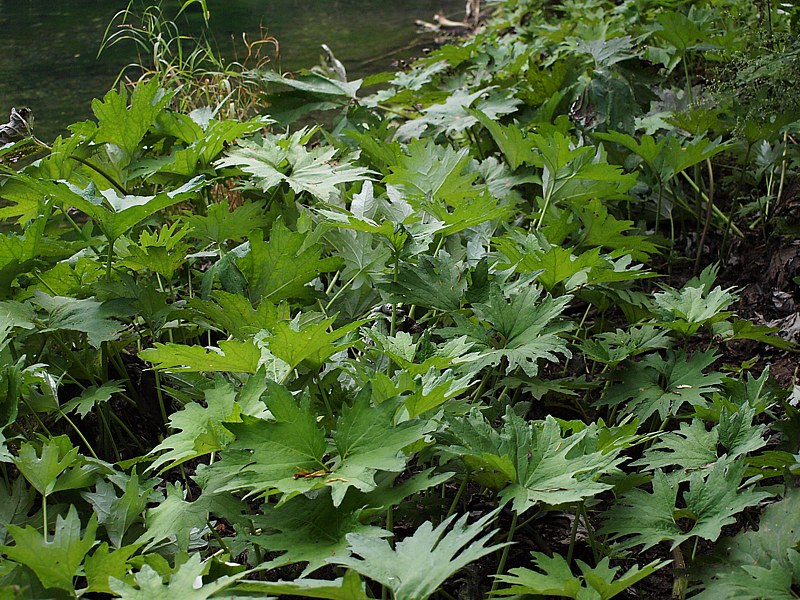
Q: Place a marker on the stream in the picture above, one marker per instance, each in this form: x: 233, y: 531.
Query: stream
x: 50, y: 62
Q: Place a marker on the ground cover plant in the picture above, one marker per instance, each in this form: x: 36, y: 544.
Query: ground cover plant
x: 518, y: 321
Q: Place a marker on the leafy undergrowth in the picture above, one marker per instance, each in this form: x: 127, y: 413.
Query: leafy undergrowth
x: 482, y: 336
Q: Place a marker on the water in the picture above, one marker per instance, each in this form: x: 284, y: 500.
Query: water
x: 49, y: 59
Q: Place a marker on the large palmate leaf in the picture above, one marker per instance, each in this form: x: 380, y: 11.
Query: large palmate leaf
x: 42, y: 469
x: 273, y: 161
x: 179, y: 521
x: 453, y: 115
x: 200, y: 151
x: 419, y: 564
x: 663, y: 386
x: 86, y: 316
x: 712, y: 501
x: 307, y: 91
x: 611, y: 348
x: 762, y: 564
x: 574, y: 174
x: 433, y: 171
x: 234, y: 314
x: 117, y: 513
x: 434, y: 282
x: 287, y: 455
x: 296, y: 342
x: 123, y: 125
x: 15, y: 504
x: 557, y: 579
x: 693, y: 447
x: 531, y: 462
x: 280, y: 268
x: 101, y: 566
x: 312, y: 531
x: 18, y: 253
x: 667, y: 157
x: 519, y: 331
x: 56, y: 559
x: 368, y: 441
x: 603, y: 230
x: 273, y: 456
x: 232, y: 356
x: 687, y: 310
x: 115, y: 214
x: 220, y: 224
x: 93, y: 396
x: 516, y: 148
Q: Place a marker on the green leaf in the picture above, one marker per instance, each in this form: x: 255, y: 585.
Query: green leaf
x: 185, y: 582
x: 711, y: 502
x: 201, y: 429
x: 433, y: 171
x: 232, y: 356
x: 668, y: 157
x: 125, y: 126
x: 17, y: 253
x: 103, y: 565
x: 118, y: 513
x: 663, y: 386
x: 367, y: 442
x: 687, y: 310
x: 310, y: 530
x: 92, y: 396
x: 556, y: 578
x: 420, y: 563
x: 72, y: 314
x: 530, y: 462
x: 55, y: 561
x: 433, y: 390
x: 42, y: 470
x: 313, y: 344
x: 201, y: 151
x: 175, y: 519
x: 115, y: 214
x: 266, y: 455
x: 220, y: 224
x: 275, y: 160
x: 742, y: 329
x: 15, y: 504
x: 611, y: 348
x: 314, y: 83
x: 453, y: 115
x: 602, y: 229
x: 161, y: 252
x: 280, y: 268
x: 433, y: 283
x: 693, y: 447
x: 522, y: 330
x: 758, y: 565
x: 509, y: 139
x: 234, y: 314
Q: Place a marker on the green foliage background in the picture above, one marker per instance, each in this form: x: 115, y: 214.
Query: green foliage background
x: 246, y: 356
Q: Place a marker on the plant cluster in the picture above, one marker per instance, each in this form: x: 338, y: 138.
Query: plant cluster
x: 253, y: 357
